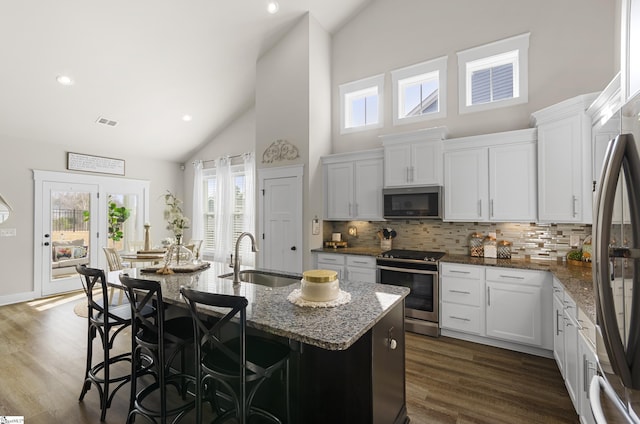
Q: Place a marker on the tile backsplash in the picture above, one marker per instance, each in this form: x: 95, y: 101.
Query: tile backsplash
x: 530, y: 240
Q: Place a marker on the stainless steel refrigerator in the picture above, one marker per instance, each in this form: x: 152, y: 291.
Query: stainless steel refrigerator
x: 615, y: 391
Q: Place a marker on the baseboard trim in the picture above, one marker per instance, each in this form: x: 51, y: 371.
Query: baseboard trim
x: 17, y: 298
x: 498, y: 343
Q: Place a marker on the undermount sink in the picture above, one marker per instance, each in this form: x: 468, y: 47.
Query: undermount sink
x: 264, y: 278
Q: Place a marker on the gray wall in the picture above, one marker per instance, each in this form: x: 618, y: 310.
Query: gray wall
x: 573, y: 50
x: 18, y: 160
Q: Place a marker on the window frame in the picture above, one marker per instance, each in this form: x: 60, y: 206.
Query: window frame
x: 207, y: 174
x: 488, y: 56
x: 355, y: 89
x: 438, y: 65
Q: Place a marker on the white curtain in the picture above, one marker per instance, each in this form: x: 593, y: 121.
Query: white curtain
x: 197, y: 211
x: 223, y: 210
x: 249, y: 212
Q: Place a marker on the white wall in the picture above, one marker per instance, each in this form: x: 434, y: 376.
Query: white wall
x: 239, y: 137
x: 572, y: 51
x: 18, y: 160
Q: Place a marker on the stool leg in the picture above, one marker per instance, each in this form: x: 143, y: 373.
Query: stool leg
x: 86, y: 385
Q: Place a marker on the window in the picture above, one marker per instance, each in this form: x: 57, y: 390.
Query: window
x: 494, y: 75
x: 361, y: 104
x: 419, y: 91
x: 210, y: 188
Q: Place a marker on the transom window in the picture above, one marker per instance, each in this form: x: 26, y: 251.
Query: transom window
x: 419, y: 91
x: 361, y: 104
x: 494, y: 75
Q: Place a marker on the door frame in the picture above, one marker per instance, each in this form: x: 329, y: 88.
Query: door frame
x: 105, y: 185
x: 296, y: 171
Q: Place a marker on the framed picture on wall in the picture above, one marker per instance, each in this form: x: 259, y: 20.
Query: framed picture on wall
x: 99, y: 164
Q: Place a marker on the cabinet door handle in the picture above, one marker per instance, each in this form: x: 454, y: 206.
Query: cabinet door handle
x: 350, y: 209
x: 455, y: 271
x: 585, y: 375
x: 459, y: 291
x: 574, y: 199
x: 511, y: 276
x: 558, y: 331
x: 356, y: 210
x: 360, y: 262
x: 480, y: 208
x: 407, y: 177
x: 488, y: 296
x: 491, y: 208
x: 459, y: 318
x: 412, y: 173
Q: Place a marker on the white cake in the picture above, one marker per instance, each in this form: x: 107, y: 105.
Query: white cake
x: 320, y: 285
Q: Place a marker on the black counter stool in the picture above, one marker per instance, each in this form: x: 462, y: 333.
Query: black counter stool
x: 158, y: 346
x: 233, y: 367
x: 107, y: 321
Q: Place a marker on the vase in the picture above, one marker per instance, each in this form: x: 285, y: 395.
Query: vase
x: 178, y: 254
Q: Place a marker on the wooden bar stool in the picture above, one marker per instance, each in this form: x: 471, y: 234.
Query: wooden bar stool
x: 158, y: 347
x: 233, y: 368
x: 107, y: 322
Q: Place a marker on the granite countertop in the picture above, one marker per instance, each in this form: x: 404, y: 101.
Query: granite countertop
x: 575, y: 279
x: 269, y: 310
x: 362, y: 251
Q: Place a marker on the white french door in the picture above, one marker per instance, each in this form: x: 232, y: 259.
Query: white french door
x: 69, y: 231
x: 71, y: 224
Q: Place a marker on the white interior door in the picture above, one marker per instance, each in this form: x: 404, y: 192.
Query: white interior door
x: 68, y: 235
x: 281, y: 244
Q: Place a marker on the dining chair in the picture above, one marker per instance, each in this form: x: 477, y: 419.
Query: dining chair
x: 114, y: 262
x: 232, y: 369
x: 107, y: 322
x: 158, y: 349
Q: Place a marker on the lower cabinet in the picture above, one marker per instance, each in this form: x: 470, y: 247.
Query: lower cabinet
x: 588, y: 368
x: 505, y: 304
x: 355, y: 268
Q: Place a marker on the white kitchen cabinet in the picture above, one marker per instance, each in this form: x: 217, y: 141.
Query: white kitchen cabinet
x: 564, y: 161
x: 558, y: 326
x: 514, y: 301
x: 588, y: 369
x: 331, y: 262
x: 491, y: 177
x: 462, y: 298
x: 572, y: 368
x: 353, y: 268
x: 413, y: 159
x: 466, y: 185
x: 353, y: 186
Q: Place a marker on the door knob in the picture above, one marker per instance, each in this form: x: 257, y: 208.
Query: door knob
x: 293, y: 248
x: 46, y: 236
x: 46, y: 243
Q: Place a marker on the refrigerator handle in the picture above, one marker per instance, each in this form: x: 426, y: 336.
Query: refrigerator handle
x: 597, y: 383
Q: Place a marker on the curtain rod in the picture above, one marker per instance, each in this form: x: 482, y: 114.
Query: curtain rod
x: 213, y: 160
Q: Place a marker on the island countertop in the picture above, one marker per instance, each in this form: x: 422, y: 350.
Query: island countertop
x: 335, y: 328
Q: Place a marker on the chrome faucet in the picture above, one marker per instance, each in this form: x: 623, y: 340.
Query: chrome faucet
x: 236, y: 260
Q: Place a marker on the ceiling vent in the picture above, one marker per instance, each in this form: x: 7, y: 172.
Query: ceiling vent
x: 107, y: 122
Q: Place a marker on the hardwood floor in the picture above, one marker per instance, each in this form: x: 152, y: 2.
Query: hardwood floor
x: 453, y: 381
x: 43, y: 345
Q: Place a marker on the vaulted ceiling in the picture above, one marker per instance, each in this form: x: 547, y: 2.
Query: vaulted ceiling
x: 143, y: 64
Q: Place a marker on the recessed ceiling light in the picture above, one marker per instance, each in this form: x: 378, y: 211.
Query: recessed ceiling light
x: 273, y: 7
x: 187, y: 118
x: 64, y: 80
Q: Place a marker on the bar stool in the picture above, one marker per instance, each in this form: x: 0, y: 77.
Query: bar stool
x: 107, y: 321
x: 157, y: 345
x: 232, y: 370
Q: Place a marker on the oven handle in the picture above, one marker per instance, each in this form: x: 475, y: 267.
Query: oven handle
x: 407, y: 270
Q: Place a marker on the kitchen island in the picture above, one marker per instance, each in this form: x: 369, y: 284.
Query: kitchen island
x: 347, y: 362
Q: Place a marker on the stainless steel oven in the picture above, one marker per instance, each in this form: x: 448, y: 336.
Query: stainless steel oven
x: 417, y: 270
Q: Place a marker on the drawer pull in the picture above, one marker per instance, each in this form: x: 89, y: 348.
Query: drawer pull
x: 459, y: 291
x: 511, y: 276
x: 360, y: 262
x: 459, y: 318
x: 455, y: 271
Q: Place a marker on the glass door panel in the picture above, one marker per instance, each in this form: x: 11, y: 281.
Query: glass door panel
x: 69, y: 234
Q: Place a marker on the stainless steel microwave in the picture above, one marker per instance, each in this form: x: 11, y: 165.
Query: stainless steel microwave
x: 423, y: 202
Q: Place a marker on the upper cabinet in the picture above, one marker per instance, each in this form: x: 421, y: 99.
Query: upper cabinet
x: 564, y: 161
x: 491, y: 177
x: 353, y: 186
x: 413, y: 159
